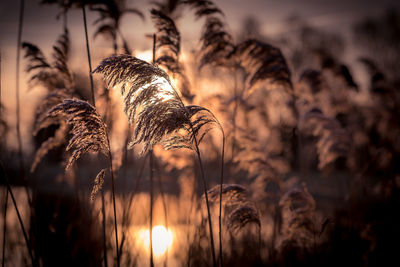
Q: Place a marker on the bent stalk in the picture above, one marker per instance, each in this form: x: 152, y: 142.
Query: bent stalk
x: 207, y: 203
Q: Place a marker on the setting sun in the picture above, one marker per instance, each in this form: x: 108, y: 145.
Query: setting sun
x: 162, y: 239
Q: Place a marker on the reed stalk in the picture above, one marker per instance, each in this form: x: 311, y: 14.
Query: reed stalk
x: 206, y: 197
x: 26, y: 239
x: 17, y: 102
x: 103, y: 211
x: 109, y: 156
x: 151, y: 207
x: 220, y: 199
x: 151, y: 156
x: 113, y: 198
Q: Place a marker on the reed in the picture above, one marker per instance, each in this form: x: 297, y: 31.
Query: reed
x: 154, y: 106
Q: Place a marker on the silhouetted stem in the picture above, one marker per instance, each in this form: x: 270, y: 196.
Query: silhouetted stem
x: 151, y: 177
x: 19, y: 218
x: 220, y: 198
x: 113, y: 199
x: 17, y: 103
x: 88, y: 52
x: 151, y: 207
x: 103, y: 211
x: 109, y: 148
x: 207, y: 203
x: 234, y: 114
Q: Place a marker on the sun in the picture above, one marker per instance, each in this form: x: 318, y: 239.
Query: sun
x: 162, y: 239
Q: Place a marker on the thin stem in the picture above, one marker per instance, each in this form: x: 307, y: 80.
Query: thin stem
x: 202, y: 176
x: 113, y: 198
x: 103, y: 211
x: 207, y: 203
x: 20, y: 24
x: 88, y: 52
x: 18, y: 215
x: 234, y: 114
x: 154, y: 48
x: 151, y: 177
x: 220, y: 199
x: 18, y: 112
x: 151, y: 207
x: 4, y: 229
x: 109, y: 151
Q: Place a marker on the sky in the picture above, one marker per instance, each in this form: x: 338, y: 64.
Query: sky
x: 41, y: 28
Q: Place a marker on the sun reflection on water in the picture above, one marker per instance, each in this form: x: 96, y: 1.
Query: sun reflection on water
x: 162, y: 239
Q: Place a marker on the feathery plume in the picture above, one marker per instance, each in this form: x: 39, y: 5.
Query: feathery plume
x: 50, y: 75
x: 232, y: 194
x: 152, y: 103
x: 38, y: 62
x: 333, y: 140
x: 313, y: 90
x: 312, y: 80
x: 239, y: 209
x: 217, y: 43
x: 88, y: 130
x: 150, y: 96
x: 111, y: 13
x: 264, y: 65
x: 203, y: 7
x: 265, y: 164
x: 98, y: 184
x: 52, y: 142
x: 169, y: 7
x: 340, y: 71
x: 52, y: 99
x: 298, y: 211
x: 242, y: 216
x: 37, y: 59
x: 60, y: 55
x: 168, y: 36
x: 168, y: 48
x: 378, y: 81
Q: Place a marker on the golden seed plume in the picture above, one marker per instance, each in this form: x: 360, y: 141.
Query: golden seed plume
x: 88, y: 130
x: 153, y: 105
x: 98, y: 184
